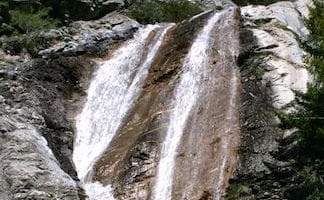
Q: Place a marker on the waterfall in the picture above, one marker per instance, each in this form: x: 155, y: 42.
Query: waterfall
x: 113, y: 89
x: 230, y: 115
x: 186, y: 95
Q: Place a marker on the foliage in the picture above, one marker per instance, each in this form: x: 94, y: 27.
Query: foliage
x: 26, y: 22
x: 150, y: 12
x: 29, y: 45
x: 309, y: 118
x: 316, y: 27
x: 254, y: 2
x: 311, y: 181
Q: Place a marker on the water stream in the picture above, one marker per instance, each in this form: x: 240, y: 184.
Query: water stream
x: 112, y: 91
x: 207, y: 87
x: 185, y: 97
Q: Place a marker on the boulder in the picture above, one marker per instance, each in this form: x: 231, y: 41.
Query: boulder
x: 214, y: 4
x: 25, y: 154
x: 88, y: 36
x: 35, y: 130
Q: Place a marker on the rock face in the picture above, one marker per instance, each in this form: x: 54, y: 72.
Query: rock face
x: 32, y: 109
x: 208, y: 147
x: 93, y: 37
x: 214, y: 4
x: 29, y: 169
x: 272, y: 69
x: 39, y: 99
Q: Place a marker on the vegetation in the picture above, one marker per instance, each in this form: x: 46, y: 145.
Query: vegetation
x: 309, y: 118
x: 25, y: 18
x: 254, y: 2
x: 150, y: 12
x: 18, y: 20
x: 26, y: 22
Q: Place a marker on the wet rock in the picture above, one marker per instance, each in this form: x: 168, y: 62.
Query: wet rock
x: 138, y: 140
x: 140, y: 169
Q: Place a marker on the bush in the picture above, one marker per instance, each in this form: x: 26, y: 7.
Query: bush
x: 254, y: 2
x: 310, y: 116
x: 310, y: 119
x: 316, y: 26
x: 26, y: 22
x: 150, y: 12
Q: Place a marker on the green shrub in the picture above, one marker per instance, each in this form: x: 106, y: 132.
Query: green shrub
x: 26, y: 22
x: 254, y: 2
x: 311, y: 182
x: 316, y: 26
x: 309, y: 118
x: 150, y: 12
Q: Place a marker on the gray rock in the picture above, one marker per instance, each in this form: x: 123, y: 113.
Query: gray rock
x: 30, y: 170
x: 89, y: 36
x: 214, y: 4
x: 30, y: 166
x: 272, y: 55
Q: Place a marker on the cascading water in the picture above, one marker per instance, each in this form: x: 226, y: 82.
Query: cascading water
x: 112, y: 91
x: 185, y: 97
x: 117, y: 140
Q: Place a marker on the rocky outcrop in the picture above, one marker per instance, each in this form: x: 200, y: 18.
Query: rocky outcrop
x: 36, y: 136
x: 272, y: 69
x: 39, y: 100
x: 91, y: 37
x: 214, y: 4
x: 78, y: 38
x: 29, y: 169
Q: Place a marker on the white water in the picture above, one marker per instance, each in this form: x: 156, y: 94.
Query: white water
x: 186, y: 96
x: 114, y: 88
